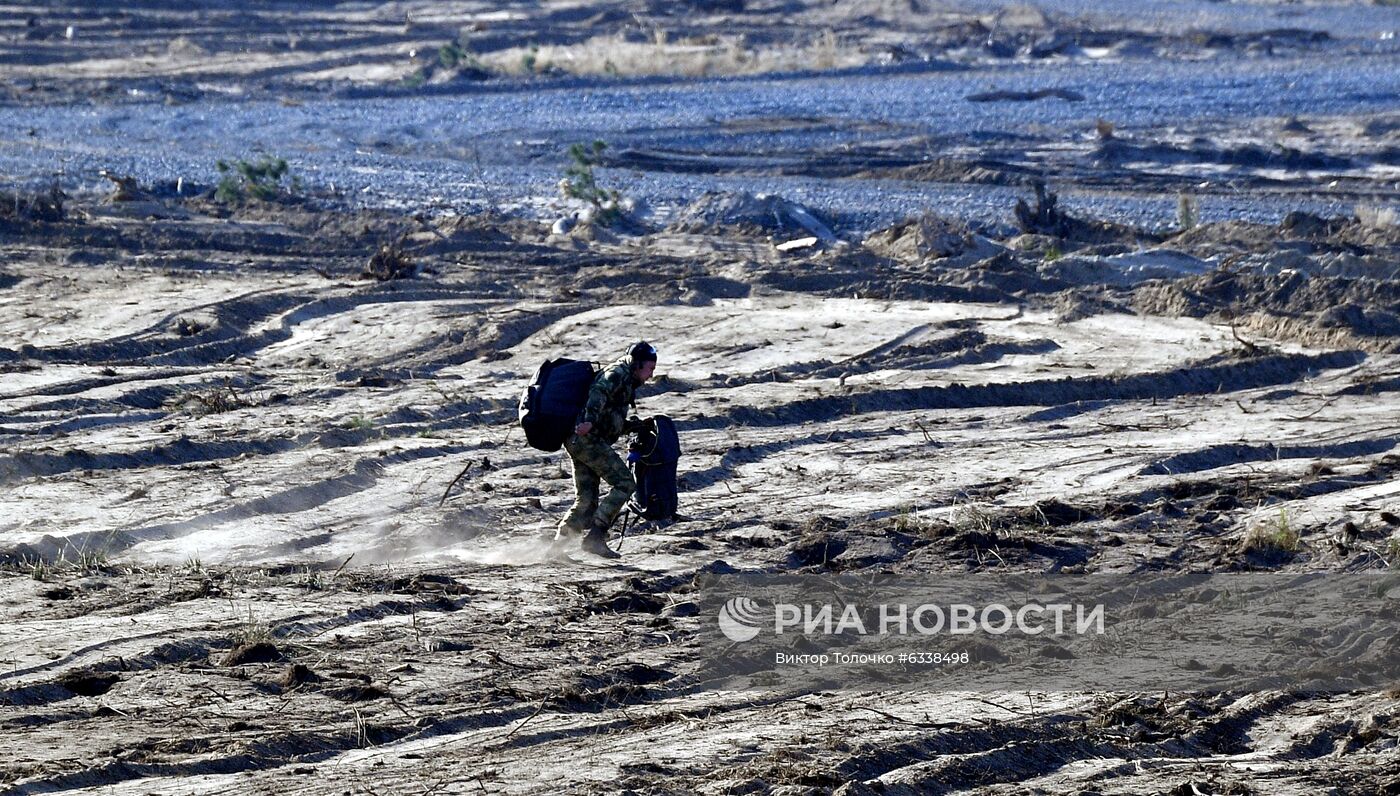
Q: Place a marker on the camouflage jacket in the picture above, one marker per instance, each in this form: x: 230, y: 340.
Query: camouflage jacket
x: 613, y: 393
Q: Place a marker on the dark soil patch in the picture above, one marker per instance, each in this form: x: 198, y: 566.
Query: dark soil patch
x: 297, y: 674
x: 816, y: 550
x: 252, y: 652
x: 356, y: 693
x: 88, y: 682
x: 1053, y: 513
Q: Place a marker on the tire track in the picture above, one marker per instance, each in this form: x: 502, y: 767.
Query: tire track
x: 364, y: 475
x: 1228, y: 377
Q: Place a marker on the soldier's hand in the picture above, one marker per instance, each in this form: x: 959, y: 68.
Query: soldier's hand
x: 582, y: 429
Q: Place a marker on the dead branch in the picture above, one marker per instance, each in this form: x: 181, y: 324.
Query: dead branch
x: 448, y: 491
x: 927, y: 437
x: 1309, y: 415
x: 1235, y: 332
x: 1003, y: 707
x: 342, y: 566
x: 527, y: 720
x: 909, y: 721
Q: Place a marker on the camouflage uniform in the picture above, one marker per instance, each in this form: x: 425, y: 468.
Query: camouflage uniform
x: 613, y: 393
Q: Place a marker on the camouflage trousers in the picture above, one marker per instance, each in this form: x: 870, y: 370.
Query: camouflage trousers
x: 594, y: 461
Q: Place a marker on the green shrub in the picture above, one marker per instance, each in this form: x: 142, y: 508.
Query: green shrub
x: 243, y: 180
x: 580, y: 183
x: 450, y: 55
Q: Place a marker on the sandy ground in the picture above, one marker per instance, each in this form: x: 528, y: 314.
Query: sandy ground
x: 232, y: 562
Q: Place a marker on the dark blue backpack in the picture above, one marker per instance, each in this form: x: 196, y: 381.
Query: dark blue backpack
x: 655, y: 454
x: 551, y: 403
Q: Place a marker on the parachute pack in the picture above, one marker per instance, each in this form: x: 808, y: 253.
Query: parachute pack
x: 552, y: 401
x: 655, y: 454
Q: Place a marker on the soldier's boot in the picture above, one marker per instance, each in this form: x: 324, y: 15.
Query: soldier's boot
x: 557, y: 542
x: 596, y: 542
x: 568, y: 530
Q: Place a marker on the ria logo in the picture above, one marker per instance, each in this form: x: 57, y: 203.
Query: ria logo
x: 740, y: 619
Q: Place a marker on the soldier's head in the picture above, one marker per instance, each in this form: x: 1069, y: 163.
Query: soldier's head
x: 642, y: 355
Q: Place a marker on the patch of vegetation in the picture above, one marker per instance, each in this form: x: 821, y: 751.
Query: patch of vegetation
x: 971, y: 517
x: 188, y: 327
x: 87, y: 560
x: 1277, y: 534
x: 824, y: 49
x: 453, y: 60
x: 1046, y: 218
x: 46, y: 206
x: 390, y: 261
x: 909, y: 521
x: 260, y: 180
x: 251, y: 630
x: 451, y: 54
x: 456, y: 57
x: 1188, y: 212
x: 311, y: 580
x: 210, y: 402
x: 84, y: 561
x: 580, y: 183
x: 359, y: 423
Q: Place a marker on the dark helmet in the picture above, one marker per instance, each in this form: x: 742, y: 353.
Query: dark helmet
x: 640, y: 352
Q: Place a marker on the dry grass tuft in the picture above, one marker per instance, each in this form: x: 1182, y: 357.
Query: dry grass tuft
x: 390, y: 262
x: 663, y: 55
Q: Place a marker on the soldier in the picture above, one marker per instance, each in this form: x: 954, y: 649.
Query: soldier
x: 603, y: 420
